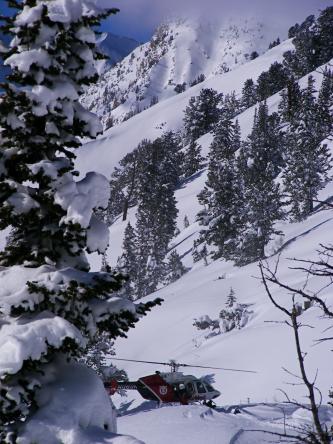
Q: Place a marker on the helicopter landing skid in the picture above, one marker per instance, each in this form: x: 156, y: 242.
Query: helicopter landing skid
x: 211, y: 404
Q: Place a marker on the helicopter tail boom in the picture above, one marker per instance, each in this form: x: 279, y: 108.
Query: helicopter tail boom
x: 113, y: 385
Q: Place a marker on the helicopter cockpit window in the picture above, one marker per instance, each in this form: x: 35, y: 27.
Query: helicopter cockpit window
x: 190, y: 387
x: 209, y: 388
x: 201, y: 387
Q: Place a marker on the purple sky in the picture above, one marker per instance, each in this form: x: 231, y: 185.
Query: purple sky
x: 138, y: 18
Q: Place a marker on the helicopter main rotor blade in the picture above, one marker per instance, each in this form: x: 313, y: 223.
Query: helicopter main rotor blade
x: 218, y: 368
x: 185, y: 365
x: 143, y: 362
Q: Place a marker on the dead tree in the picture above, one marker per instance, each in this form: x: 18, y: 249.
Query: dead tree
x: 323, y: 268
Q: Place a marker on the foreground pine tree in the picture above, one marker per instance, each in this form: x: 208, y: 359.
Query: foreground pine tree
x: 50, y: 304
x: 175, y: 267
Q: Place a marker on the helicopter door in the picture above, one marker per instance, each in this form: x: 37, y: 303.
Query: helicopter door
x: 201, y: 390
x: 190, y: 388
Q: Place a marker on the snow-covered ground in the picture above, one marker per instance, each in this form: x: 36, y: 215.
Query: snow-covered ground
x: 198, y: 425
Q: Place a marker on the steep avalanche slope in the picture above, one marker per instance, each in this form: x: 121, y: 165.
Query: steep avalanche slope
x: 178, y: 53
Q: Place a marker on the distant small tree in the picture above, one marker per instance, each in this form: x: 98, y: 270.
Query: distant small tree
x: 201, y: 78
x: 249, y: 94
x: 291, y: 99
x: 274, y: 43
x: 193, y: 160
x: 231, y: 299
x: 180, y: 88
x: 234, y: 317
x: 254, y: 55
x: 231, y: 105
x: 175, y: 267
x: 186, y: 222
x: 154, y: 101
x: 127, y: 262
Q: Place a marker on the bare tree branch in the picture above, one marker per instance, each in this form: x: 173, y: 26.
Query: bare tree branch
x: 322, y: 435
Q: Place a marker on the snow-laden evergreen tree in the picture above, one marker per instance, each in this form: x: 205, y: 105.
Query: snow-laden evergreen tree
x: 124, y: 183
x: 236, y: 138
x: 129, y: 178
x: 193, y: 160
x: 231, y: 105
x: 127, y: 263
x: 125, y: 180
x: 307, y: 160
x: 117, y: 197
x: 221, y: 195
x: 325, y: 35
x: 313, y: 44
x: 291, y: 99
x: 156, y: 214
x: 201, y: 114
x: 175, y: 267
x: 234, y: 316
x: 261, y: 205
x: 231, y: 299
x: 249, y: 94
x: 271, y: 81
x: 305, y: 57
x: 325, y: 103
x: 274, y: 43
x: 51, y: 306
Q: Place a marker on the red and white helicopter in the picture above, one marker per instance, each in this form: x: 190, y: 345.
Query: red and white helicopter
x: 171, y: 386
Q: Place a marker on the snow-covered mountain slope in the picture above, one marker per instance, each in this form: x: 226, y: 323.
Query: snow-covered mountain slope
x: 168, y: 333
x: 178, y: 53
x: 105, y: 153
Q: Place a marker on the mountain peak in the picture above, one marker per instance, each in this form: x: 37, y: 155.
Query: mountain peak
x: 181, y: 52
